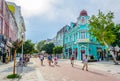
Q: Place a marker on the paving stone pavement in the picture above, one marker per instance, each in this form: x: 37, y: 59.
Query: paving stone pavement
x: 64, y: 72
x: 98, y: 71
x: 30, y: 73
x: 106, y: 66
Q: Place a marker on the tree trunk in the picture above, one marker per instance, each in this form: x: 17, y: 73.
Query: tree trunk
x: 14, y: 62
x: 112, y: 53
x: 114, y: 58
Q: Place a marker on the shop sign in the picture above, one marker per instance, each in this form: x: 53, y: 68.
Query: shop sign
x: 83, y: 40
x: 99, y: 49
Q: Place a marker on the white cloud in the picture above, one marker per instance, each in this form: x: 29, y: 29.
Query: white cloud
x: 65, y: 9
x: 34, y: 7
x: 57, y: 13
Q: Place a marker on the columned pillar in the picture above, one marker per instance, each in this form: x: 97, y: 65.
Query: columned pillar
x: 68, y: 54
x: 79, y: 56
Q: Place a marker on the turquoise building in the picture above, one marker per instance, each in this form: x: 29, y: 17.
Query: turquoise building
x: 78, y: 41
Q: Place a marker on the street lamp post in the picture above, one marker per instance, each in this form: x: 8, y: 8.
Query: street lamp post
x: 22, y: 54
x: 22, y: 49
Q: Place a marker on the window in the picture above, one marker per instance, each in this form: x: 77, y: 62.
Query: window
x: 82, y: 35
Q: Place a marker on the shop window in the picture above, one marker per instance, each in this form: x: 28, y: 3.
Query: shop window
x: 82, y: 35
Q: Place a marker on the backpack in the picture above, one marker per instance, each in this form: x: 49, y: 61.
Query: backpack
x: 55, y: 58
x: 49, y: 58
x: 72, y: 58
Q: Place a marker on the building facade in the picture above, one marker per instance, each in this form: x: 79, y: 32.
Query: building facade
x: 8, y: 31
x: 2, y: 41
x: 78, y: 41
x: 59, y: 37
x: 16, y: 11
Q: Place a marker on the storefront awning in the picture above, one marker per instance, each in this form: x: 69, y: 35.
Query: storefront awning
x: 9, y: 44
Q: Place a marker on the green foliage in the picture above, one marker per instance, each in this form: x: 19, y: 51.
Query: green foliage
x: 17, y: 44
x: 101, y: 27
x: 58, y: 50
x: 40, y: 45
x: 48, y: 48
x: 28, y: 47
x: 35, y: 51
x: 116, y: 31
x: 11, y: 76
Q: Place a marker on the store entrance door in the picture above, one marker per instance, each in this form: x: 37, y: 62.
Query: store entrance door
x: 82, y: 52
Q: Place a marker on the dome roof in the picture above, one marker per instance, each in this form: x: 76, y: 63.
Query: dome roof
x: 83, y: 13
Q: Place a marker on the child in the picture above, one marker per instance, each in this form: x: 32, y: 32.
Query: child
x: 72, y: 60
x: 55, y: 60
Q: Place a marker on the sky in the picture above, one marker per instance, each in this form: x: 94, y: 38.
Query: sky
x: 44, y: 18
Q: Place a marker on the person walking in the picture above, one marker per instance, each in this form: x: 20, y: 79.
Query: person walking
x: 55, y: 60
x: 41, y: 58
x: 72, y: 60
x: 85, y: 62
x: 50, y: 59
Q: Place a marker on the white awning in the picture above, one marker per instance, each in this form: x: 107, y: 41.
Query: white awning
x: 9, y: 44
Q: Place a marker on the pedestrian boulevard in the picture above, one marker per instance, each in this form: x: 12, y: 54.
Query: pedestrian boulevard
x: 98, y: 71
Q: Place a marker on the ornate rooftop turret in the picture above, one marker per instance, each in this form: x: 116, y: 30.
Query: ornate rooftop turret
x: 83, y: 13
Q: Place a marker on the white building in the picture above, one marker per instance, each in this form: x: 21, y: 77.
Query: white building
x: 16, y: 10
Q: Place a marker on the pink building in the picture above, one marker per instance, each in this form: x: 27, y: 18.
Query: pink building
x: 8, y: 28
x: 1, y: 16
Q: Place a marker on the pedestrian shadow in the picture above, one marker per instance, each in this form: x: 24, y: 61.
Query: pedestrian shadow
x: 52, y: 66
x: 28, y: 69
x: 76, y: 67
x: 30, y: 62
x: 96, y: 73
x: 57, y: 65
x: 43, y: 65
x: 9, y: 69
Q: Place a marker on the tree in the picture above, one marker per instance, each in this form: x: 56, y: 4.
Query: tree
x: 40, y: 45
x: 58, y: 50
x: 16, y: 46
x: 101, y: 27
x: 34, y: 51
x: 48, y: 48
x: 28, y: 47
x: 117, y: 33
